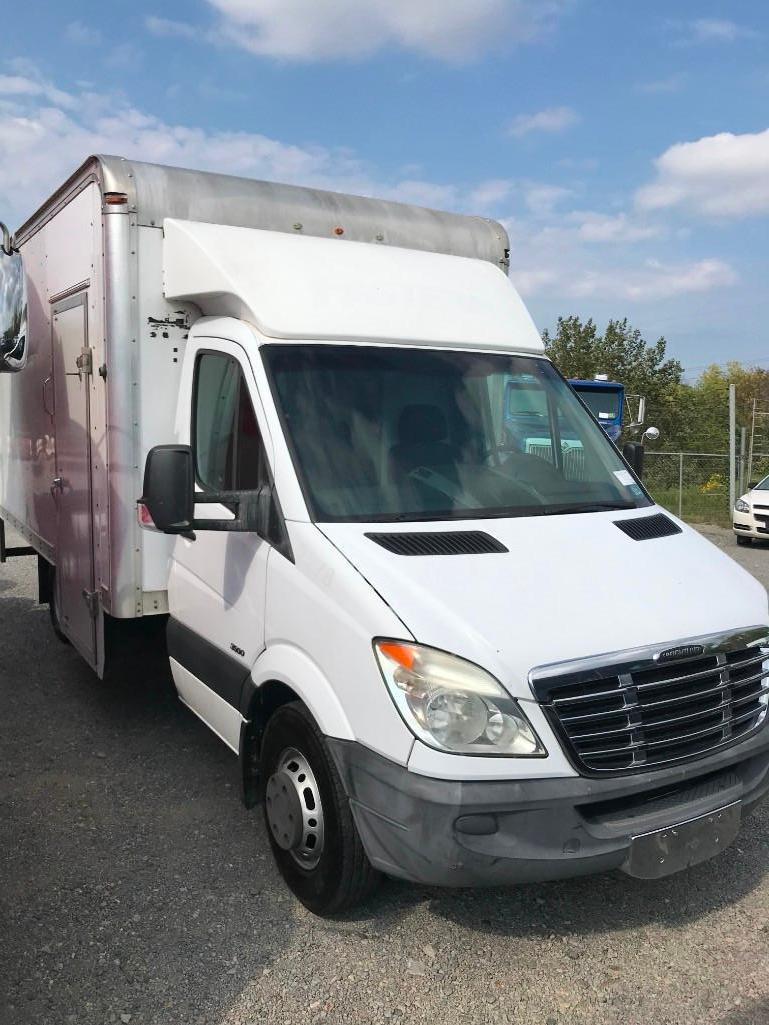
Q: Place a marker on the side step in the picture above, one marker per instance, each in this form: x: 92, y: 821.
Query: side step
x: 13, y: 552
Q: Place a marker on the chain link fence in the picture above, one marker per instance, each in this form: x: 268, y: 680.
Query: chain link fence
x: 758, y: 471
x: 695, y: 485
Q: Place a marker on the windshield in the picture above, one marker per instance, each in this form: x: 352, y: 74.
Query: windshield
x: 763, y: 485
x: 604, y: 405
x: 386, y: 433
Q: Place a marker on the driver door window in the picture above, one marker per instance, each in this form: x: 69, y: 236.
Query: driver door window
x: 229, y: 454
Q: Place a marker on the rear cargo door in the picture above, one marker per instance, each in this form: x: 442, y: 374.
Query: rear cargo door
x: 71, y: 487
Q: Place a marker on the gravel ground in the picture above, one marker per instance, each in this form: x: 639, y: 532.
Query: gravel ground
x: 135, y: 888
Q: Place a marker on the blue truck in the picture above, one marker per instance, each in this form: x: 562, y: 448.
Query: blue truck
x: 527, y: 420
x: 606, y: 401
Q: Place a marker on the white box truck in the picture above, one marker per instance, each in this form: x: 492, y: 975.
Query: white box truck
x: 273, y: 421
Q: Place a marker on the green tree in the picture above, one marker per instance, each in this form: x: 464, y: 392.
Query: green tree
x: 579, y: 350
x: 710, y: 404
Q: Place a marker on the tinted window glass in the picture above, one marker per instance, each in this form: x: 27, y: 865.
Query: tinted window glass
x: 228, y: 450
x: 382, y: 433
x: 604, y: 405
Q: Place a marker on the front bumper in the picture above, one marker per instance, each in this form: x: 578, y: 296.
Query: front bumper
x: 751, y: 524
x: 476, y: 833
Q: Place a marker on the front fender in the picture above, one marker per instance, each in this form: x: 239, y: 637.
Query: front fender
x: 289, y: 665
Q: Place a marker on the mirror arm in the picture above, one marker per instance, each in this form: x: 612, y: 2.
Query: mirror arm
x: 218, y: 497
x: 244, y: 506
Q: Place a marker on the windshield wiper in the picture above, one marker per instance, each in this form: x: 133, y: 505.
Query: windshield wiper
x: 580, y: 507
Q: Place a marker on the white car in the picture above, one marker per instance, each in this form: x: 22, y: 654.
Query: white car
x: 751, y: 514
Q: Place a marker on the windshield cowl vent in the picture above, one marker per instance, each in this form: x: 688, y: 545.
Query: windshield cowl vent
x: 453, y: 542
x: 645, y: 528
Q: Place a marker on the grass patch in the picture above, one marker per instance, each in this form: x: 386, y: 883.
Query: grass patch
x: 696, y: 506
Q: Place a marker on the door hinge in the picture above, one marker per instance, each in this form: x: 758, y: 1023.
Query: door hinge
x: 91, y: 598
x: 84, y: 362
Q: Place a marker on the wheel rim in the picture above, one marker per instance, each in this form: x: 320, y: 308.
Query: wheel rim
x: 294, y: 809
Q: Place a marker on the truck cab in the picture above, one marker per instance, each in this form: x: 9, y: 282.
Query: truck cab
x: 606, y: 401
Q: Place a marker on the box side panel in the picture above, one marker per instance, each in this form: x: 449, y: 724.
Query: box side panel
x: 69, y: 244
x: 61, y: 260
x: 75, y: 263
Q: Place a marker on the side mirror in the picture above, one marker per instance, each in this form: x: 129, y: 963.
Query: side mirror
x: 752, y: 485
x: 169, y: 484
x: 169, y: 499
x: 633, y: 452
x: 650, y: 434
x: 12, y: 354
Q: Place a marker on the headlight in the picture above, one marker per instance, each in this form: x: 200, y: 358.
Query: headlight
x: 454, y: 705
x: 741, y: 506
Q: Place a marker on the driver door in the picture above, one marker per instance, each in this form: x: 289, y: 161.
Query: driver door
x: 218, y: 581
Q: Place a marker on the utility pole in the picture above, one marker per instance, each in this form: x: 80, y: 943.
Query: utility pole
x: 732, y: 445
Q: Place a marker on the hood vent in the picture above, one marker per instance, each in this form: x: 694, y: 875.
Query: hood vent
x: 456, y: 542
x: 644, y: 528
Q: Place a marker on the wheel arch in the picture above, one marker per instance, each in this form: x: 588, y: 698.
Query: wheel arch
x: 284, y: 673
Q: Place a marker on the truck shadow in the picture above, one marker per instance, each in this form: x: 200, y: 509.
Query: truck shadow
x: 751, y: 1012
x: 134, y: 881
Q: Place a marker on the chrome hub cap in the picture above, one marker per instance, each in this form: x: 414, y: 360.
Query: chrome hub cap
x: 294, y: 811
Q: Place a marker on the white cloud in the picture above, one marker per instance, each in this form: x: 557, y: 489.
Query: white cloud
x: 592, y: 226
x: 82, y: 34
x: 654, y: 280
x: 310, y: 30
x: 490, y: 194
x: 26, y: 86
x: 672, y: 84
x: 718, y: 176
x: 564, y: 262
x: 542, y: 199
x: 717, y: 30
x: 552, y: 119
x: 168, y: 27
x: 422, y: 193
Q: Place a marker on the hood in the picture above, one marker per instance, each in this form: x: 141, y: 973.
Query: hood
x: 568, y: 587
x: 756, y: 497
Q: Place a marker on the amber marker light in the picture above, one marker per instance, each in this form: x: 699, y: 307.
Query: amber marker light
x: 401, y: 653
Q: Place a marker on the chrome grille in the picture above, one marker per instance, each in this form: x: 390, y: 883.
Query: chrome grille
x: 636, y: 714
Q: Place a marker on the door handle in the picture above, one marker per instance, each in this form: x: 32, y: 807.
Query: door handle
x: 48, y: 407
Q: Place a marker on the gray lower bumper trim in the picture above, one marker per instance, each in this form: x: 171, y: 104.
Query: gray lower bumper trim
x: 526, y: 830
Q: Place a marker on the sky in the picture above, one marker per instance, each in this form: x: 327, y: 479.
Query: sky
x: 624, y: 145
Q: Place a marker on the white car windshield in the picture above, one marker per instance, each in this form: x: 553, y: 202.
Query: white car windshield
x: 382, y: 433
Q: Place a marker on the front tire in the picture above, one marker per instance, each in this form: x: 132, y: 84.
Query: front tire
x: 308, y: 818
